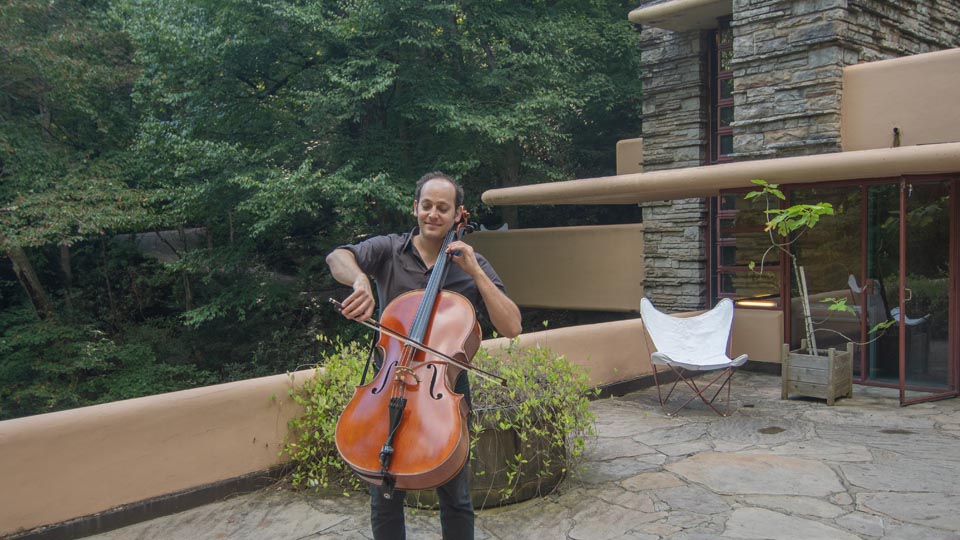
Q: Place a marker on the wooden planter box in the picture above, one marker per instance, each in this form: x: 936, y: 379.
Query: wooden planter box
x: 826, y: 377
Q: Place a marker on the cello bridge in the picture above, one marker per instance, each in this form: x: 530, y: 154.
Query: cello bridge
x: 402, y: 371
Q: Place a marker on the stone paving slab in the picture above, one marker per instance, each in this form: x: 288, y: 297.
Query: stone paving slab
x: 775, y: 469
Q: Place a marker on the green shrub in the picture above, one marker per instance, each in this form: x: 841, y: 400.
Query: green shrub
x: 310, y: 444
x: 546, y: 395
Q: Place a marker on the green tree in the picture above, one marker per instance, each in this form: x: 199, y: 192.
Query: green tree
x: 262, y: 134
x: 309, y: 121
x: 269, y: 113
x: 495, y: 92
x: 65, y: 120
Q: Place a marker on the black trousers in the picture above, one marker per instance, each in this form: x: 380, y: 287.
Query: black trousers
x: 456, y: 511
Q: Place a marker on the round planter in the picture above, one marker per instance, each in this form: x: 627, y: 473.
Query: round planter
x: 491, y: 476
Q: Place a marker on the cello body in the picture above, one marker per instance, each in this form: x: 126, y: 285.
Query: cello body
x: 429, y: 441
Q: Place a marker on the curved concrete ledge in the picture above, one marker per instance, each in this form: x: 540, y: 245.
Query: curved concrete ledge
x: 682, y: 15
x: 709, y: 180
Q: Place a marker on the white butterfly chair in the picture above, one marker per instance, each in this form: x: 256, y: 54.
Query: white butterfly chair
x: 690, y: 346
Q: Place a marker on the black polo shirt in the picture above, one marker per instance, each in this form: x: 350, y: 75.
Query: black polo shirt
x: 396, y: 267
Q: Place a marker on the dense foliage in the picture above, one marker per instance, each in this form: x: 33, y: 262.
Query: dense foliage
x: 316, y: 464
x: 173, y: 171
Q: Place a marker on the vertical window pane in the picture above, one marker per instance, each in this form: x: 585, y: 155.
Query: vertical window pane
x: 744, y: 285
x: 728, y: 255
x: 726, y: 37
x: 742, y: 248
x: 726, y: 116
x: 830, y: 253
x: 726, y: 144
x: 726, y: 88
x: 721, y: 92
x: 728, y: 201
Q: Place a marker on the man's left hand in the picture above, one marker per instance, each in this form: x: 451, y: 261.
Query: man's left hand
x: 462, y: 254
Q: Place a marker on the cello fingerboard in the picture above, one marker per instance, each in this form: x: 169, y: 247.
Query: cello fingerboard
x: 422, y: 319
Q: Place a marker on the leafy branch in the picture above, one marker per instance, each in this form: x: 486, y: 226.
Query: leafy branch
x: 790, y: 223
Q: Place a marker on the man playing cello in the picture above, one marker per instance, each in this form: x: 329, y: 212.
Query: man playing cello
x: 401, y: 263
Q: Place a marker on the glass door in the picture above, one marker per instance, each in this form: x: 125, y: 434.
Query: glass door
x: 927, y: 366
x: 880, y: 284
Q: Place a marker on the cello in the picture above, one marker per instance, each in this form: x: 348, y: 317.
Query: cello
x: 407, y: 428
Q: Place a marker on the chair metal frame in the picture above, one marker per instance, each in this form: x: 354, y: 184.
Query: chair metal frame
x: 685, y: 362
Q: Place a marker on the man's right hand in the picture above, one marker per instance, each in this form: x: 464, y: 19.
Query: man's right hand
x: 343, y: 265
x: 360, y: 304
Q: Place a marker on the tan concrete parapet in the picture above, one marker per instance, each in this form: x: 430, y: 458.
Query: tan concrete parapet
x: 59, y: 466
x: 917, y: 95
x: 630, y: 156
x: 65, y: 465
x: 757, y: 333
x: 595, y: 267
x: 612, y: 352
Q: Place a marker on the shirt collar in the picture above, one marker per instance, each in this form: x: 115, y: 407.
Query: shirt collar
x: 408, y: 241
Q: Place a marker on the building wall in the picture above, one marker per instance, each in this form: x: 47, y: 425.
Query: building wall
x: 674, y: 109
x: 675, y: 254
x: 789, y: 58
x: 880, y: 30
x: 545, y: 268
x: 674, y: 132
x: 896, y: 94
x: 788, y: 65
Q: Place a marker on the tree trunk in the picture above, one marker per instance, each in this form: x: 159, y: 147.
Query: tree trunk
x: 106, y: 278
x: 184, y: 242
x: 187, y: 293
x: 807, y: 318
x: 45, y: 118
x: 65, y: 268
x: 30, y: 283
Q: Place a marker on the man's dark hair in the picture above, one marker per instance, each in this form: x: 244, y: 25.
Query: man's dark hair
x: 442, y: 176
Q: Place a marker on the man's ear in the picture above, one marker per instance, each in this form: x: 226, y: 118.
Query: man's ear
x: 415, y: 203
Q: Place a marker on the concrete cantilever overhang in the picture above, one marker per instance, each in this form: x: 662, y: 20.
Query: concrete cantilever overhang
x: 682, y: 15
x: 707, y: 181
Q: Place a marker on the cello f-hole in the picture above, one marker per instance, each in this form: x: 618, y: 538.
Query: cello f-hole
x: 386, y: 378
x: 433, y: 382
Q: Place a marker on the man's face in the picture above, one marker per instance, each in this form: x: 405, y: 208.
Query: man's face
x: 436, y: 210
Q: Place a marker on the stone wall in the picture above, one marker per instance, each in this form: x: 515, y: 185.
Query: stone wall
x: 878, y: 29
x: 675, y: 254
x: 674, y: 98
x: 788, y: 64
x: 789, y: 58
x: 674, y: 133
